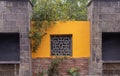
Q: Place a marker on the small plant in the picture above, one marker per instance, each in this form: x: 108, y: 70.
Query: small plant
x: 38, y: 30
x: 42, y: 73
x: 74, y: 72
x: 53, y: 68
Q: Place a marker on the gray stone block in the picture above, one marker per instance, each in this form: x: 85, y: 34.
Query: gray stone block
x: 107, y: 10
x: 24, y: 41
x: 105, y: 3
x: 24, y: 35
x: 117, y: 10
x: 25, y: 47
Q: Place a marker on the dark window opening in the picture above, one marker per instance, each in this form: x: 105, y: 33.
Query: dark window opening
x: 61, y: 45
x: 111, y: 46
x: 9, y: 47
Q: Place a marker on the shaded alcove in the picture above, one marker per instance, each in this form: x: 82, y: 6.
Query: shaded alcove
x: 111, y: 46
x: 9, y: 47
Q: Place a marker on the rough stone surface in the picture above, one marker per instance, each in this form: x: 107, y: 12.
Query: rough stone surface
x: 104, y: 16
x: 15, y: 18
x: 41, y: 64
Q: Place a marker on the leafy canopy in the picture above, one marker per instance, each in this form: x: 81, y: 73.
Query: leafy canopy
x: 47, y: 11
x: 53, y: 10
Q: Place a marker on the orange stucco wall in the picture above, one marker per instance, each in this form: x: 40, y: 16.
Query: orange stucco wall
x: 80, y: 31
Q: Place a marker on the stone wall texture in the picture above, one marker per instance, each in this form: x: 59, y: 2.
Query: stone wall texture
x: 15, y: 18
x: 41, y: 64
x: 104, y: 16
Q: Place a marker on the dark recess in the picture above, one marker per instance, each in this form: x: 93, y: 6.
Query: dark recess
x: 9, y: 47
x: 111, y: 46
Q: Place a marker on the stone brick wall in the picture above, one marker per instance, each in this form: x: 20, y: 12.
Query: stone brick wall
x: 15, y: 18
x: 105, y: 17
x: 40, y: 64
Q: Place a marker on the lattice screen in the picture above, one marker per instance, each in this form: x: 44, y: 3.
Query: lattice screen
x: 61, y: 45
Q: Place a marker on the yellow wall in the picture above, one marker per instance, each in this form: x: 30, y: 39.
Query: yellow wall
x: 80, y: 31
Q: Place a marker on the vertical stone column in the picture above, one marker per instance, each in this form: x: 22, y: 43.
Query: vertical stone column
x: 104, y: 17
x: 15, y: 18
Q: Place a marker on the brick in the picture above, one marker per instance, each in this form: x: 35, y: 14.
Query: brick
x: 68, y: 63
x: 107, y: 10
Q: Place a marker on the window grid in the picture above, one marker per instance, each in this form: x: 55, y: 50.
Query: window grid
x: 61, y: 45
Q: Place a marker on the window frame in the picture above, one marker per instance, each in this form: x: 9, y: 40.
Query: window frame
x: 109, y: 60
x: 71, y: 51
x: 12, y: 61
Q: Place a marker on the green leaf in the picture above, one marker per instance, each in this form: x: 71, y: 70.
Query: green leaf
x: 54, y: 10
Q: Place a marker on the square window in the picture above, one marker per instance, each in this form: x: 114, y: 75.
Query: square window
x: 9, y: 47
x: 61, y: 45
x: 111, y: 46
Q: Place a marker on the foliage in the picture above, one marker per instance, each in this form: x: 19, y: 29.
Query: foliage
x: 54, y: 10
x: 42, y: 73
x: 36, y: 33
x: 74, y: 72
x: 53, y: 68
